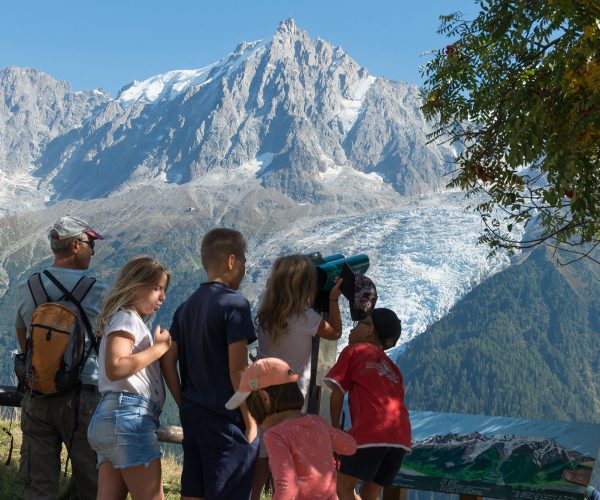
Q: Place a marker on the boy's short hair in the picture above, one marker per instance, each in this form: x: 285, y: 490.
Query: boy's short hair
x: 219, y: 243
x: 283, y: 397
x: 388, y: 326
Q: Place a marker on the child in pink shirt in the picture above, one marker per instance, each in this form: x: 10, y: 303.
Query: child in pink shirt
x: 300, y: 447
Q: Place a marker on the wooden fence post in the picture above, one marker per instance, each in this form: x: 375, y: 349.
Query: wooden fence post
x: 323, y: 358
x: 395, y: 494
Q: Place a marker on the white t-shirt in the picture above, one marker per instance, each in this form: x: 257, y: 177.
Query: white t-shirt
x: 295, y: 347
x: 148, y: 381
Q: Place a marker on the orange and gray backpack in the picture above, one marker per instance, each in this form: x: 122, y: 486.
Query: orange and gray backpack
x: 55, y: 342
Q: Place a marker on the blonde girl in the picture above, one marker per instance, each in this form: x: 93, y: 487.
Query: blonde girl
x: 286, y: 320
x: 287, y: 324
x: 123, y: 428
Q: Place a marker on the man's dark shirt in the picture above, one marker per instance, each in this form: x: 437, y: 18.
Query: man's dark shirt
x: 203, y: 327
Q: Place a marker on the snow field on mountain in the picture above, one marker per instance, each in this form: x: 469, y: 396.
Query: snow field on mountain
x: 423, y: 255
x: 172, y: 83
x: 351, y: 107
x: 18, y: 191
x: 167, y: 85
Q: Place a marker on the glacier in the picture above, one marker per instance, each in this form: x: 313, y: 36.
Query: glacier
x: 424, y: 256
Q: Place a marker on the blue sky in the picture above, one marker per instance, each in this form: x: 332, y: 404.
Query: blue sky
x: 107, y: 44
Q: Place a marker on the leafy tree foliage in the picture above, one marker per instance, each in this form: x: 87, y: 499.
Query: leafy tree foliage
x: 519, y: 90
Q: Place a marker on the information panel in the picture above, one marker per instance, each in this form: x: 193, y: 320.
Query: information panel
x: 499, y: 457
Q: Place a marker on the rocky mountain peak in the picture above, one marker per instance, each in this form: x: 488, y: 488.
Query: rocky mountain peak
x: 243, y: 47
x: 34, y: 110
x: 24, y: 81
x: 126, y: 87
x: 298, y: 110
x: 288, y: 27
x: 242, y: 52
x: 290, y: 39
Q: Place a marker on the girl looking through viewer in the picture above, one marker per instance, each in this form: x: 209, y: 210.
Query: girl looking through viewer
x: 287, y: 324
x: 123, y: 428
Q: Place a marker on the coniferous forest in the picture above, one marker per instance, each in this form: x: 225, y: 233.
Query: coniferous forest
x: 522, y: 344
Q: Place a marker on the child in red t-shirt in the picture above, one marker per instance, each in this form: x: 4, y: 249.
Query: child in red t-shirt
x: 300, y: 446
x: 379, y: 418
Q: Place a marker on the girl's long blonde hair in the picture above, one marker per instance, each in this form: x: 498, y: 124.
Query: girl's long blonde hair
x: 291, y: 289
x: 138, y: 273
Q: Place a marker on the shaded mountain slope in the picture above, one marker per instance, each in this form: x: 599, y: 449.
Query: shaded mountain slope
x: 522, y: 344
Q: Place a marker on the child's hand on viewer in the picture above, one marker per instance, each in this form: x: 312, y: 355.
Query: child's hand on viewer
x: 335, y: 292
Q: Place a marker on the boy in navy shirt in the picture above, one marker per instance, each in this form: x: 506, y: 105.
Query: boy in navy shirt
x: 210, y: 332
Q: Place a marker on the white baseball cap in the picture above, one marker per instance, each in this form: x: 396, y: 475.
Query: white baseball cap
x: 68, y: 226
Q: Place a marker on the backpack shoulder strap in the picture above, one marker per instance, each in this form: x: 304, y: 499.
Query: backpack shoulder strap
x: 58, y: 284
x: 37, y: 290
x: 80, y: 290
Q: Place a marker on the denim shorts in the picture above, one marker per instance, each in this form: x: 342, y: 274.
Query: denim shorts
x: 123, y: 430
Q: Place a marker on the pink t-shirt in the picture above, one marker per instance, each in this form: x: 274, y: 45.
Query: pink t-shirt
x: 301, y: 457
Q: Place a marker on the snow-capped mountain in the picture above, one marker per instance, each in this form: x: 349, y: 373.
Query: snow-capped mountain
x: 297, y: 109
x: 35, y: 109
x: 286, y: 139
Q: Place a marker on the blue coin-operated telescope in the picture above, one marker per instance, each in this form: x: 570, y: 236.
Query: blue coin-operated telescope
x: 329, y: 268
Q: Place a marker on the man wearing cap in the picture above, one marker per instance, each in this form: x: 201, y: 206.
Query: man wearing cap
x: 49, y: 421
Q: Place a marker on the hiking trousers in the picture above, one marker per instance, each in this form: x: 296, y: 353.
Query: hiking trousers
x: 47, y: 422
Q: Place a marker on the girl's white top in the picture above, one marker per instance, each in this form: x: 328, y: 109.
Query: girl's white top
x: 294, y: 347
x: 148, y: 381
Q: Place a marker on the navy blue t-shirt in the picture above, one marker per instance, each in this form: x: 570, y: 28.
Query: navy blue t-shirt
x: 203, y: 327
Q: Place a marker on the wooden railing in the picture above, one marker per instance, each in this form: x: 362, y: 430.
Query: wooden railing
x: 9, y: 396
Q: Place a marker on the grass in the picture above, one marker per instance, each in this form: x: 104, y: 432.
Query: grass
x: 10, y: 484
x: 12, y: 488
